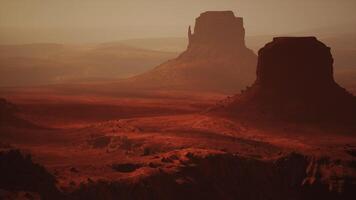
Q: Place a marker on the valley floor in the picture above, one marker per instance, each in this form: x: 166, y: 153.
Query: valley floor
x: 162, y: 145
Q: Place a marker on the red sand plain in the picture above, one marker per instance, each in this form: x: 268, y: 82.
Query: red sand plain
x: 127, y: 137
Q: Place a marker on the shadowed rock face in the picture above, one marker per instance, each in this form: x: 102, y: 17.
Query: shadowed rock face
x: 299, y: 63
x: 19, y: 173
x: 295, y: 81
x: 6, y: 106
x: 6, y: 110
x: 223, y: 176
x: 216, y: 58
x: 9, y: 118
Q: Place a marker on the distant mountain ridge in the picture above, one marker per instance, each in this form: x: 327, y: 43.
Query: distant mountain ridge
x: 47, y: 63
x: 51, y: 63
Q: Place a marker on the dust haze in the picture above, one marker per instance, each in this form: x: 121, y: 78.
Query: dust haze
x: 171, y: 100
x: 109, y: 20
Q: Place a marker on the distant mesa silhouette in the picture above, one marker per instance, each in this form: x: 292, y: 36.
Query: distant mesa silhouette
x: 294, y: 81
x: 218, y: 29
x: 216, y: 58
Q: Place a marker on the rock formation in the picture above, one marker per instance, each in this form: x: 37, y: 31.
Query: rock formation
x: 19, y: 173
x: 6, y: 111
x: 295, y: 81
x: 219, y: 30
x: 296, y: 65
x: 216, y: 58
x: 8, y: 116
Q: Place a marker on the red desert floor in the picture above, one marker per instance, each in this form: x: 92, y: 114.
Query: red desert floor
x: 80, y: 138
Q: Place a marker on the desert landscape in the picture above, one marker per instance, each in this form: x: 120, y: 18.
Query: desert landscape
x: 217, y: 114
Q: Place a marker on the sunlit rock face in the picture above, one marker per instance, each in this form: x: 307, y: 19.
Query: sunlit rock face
x: 295, y: 82
x: 216, y: 58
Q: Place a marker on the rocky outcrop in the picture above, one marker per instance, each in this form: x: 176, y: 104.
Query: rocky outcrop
x: 216, y: 58
x: 6, y: 111
x: 223, y: 176
x: 5, y: 106
x: 295, y: 81
x: 9, y: 117
x: 191, y: 174
x: 19, y: 173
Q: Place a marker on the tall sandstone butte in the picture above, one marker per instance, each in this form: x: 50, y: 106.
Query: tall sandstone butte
x: 216, y: 58
x: 295, y: 81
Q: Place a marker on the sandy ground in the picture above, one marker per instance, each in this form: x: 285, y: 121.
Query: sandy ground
x: 84, y: 138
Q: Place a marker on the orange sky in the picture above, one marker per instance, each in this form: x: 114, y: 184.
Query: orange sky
x: 24, y: 21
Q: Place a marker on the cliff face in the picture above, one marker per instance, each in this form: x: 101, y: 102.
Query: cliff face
x: 220, y: 29
x: 295, y: 81
x: 295, y: 64
x: 216, y: 58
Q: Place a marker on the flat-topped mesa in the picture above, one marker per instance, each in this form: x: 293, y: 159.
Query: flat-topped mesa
x: 295, y: 63
x: 216, y: 58
x: 217, y: 29
x: 295, y: 82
